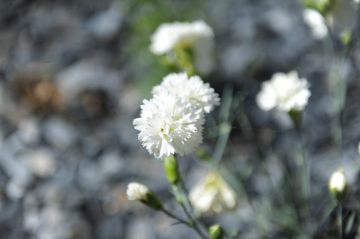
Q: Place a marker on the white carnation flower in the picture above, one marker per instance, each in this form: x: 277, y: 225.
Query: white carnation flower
x: 169, y: 124
x: 137, y: 191
x: 316, y: 22
x: 285, y: 92
x: 212, y: 195
x: 193, y: 89
x: 196, y: 35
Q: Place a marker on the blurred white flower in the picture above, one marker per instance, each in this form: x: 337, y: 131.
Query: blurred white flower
x: 193, y: 89
x: 285, y: 92
x: 338, y: 184
x: 337, y: 181
x: 169, y: 124
x: 316, y: 23
x: 137, y: 191
x: 195, y: 35
x: 212, y: 195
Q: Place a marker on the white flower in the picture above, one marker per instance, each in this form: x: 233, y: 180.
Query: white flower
x: 196, y: 35
x: 316, y: 22
x: 169, y: 124
x: 338, y: 182
x: 137, y: 191
x: 212, y: 195
x: 193, y: 89
x: 285, y: 92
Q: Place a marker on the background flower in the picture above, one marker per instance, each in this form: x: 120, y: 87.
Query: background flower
x: 285, y: 92
x: 212, y: 195
x: 197, y: 36
x: 316, y: 22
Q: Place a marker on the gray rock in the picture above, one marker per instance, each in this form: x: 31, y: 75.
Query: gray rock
x: 140, y: 229
x: 59, y: 133
x: 106, y: 24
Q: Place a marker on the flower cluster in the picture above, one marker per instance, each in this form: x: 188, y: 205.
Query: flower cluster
x: 172, y: 121
x: 285, y: 92
x: 197, y: 36
x: 213, y: 195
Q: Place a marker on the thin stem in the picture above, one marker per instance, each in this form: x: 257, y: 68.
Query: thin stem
x: 193, y: 222
x: 225, y: 125
x: 176, y: 217
x: 306, y: 180
x: 181, y: 194
x: 340, y: 221
x: 187, y: 207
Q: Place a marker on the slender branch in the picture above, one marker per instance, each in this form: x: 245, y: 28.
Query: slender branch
x: 340, y: 221
x: 225, y: 125
x: 193, y: 222
x: 306, y: 177
x: 187, y: 207
x: 176, y: 217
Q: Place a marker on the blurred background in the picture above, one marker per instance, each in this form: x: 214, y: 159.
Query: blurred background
x: 73, y: 74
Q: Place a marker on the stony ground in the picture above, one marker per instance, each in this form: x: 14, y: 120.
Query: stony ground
x: 73, y: 75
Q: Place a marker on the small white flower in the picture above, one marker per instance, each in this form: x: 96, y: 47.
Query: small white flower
x: 195, y: 35
x: 137, y: 191
x: 337, y: 183
x: 169, y: 124
x: 285, y: 92
x: 212, y: 195
x: 193, y: 89
x: 316, y: 22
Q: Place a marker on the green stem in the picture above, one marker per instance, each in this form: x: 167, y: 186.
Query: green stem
x: 225, y: 125
x: 187, y: 207
x: 176, y: 217
x: 181, y: 194
x: 306, y: 180
x: 340, y: 221
x: 190, y: 223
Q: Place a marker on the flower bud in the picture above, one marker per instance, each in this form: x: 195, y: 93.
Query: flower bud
x: 216, y: 232
x: 139, y: 192
x: 338, y: 185
x: 171, y: 170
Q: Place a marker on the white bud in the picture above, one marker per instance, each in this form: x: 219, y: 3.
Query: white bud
x: 338, y: 184
x: 137, y: 191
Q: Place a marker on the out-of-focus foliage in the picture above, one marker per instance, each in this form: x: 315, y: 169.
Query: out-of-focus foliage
x: 144, y: 17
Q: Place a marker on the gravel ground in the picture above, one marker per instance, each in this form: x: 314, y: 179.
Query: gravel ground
x: 73, y: 75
